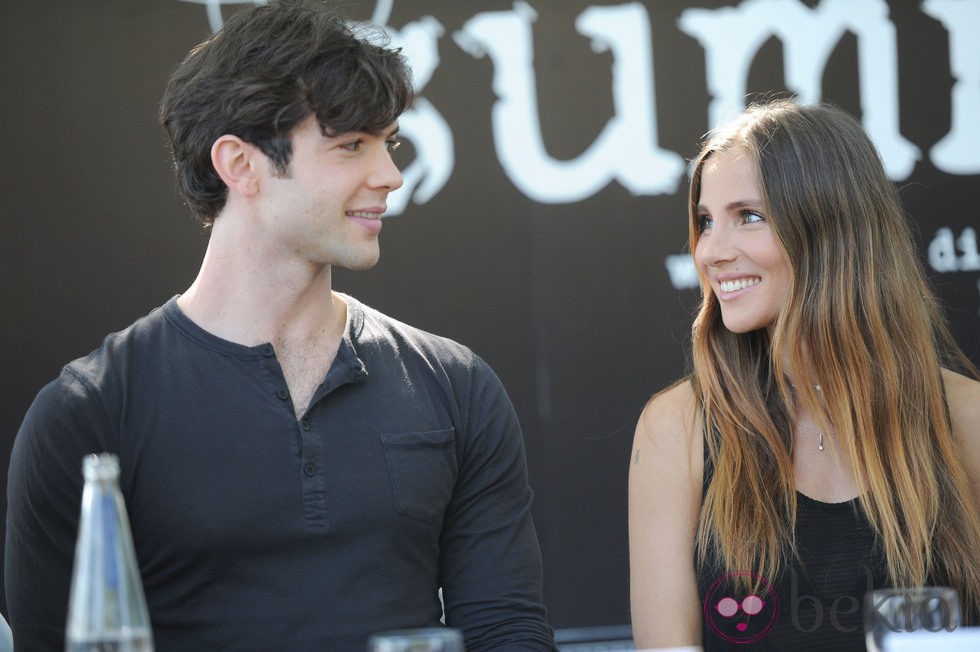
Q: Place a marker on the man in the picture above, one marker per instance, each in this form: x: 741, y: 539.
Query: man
x: 300, y: 470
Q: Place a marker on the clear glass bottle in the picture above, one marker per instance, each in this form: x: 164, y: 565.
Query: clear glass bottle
x: 106, y: 608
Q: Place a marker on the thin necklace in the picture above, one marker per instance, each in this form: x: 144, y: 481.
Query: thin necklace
x: 819, y: 433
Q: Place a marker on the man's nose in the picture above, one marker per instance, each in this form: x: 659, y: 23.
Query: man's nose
x: 385, y: 174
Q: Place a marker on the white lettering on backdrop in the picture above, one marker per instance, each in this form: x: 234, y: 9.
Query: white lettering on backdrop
x: 732, y: 36
x: 957, y: 152
x: 213, y: 7
x: 942, y: 251
x: 422, y: 124
x: 627, y: 149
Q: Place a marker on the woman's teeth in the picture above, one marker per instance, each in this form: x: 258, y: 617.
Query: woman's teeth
x: 740, y: 284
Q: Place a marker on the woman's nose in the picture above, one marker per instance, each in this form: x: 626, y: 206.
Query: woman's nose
x: 716, y: 247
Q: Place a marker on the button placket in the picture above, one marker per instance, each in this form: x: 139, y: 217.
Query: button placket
x: 311, y: 474
x: 310, y: 448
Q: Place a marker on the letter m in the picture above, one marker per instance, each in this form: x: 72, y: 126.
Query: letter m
x: 732, y: 36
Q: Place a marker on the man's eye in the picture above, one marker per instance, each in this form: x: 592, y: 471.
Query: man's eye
x: 353, y: 146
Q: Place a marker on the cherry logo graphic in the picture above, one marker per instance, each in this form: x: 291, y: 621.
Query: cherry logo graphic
x: 738, y: 617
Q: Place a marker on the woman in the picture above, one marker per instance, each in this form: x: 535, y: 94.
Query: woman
x: 822, y: 445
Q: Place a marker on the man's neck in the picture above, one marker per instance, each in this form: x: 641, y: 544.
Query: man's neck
x: 246, y: 297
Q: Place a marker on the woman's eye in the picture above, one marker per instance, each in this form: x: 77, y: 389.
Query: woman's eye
x: 751, y: 217
x: 392, y: 144
x: 704, y: 223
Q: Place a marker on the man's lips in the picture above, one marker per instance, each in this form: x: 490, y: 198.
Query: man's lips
x: 367, y: 215
x: 368, y: 219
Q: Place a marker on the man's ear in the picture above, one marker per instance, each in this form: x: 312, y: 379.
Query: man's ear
x: 236, y: 162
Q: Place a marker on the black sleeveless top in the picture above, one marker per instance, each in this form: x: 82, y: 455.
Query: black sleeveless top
x: 817, y: 601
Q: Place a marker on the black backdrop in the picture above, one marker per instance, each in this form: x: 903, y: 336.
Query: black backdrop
x: 570, y: 301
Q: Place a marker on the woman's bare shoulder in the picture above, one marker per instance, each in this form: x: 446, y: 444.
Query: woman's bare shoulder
x: 963, y: 399
x: 670, y: 422
x: 672, y: 407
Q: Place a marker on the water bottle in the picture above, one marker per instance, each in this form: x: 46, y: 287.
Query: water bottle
x: 106, y: 607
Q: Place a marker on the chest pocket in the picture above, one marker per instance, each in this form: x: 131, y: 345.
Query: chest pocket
x: 422, y: 472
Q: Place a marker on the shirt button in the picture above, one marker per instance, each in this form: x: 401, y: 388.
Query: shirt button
x: 268, y: 351
x: 304, y: 424
x: 283, y: 394
x: 309, y: 469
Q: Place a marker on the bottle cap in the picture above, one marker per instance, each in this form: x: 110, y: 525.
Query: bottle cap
x: 103, y: 466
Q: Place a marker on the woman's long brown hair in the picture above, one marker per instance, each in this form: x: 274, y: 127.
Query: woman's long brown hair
x: 860, y: 319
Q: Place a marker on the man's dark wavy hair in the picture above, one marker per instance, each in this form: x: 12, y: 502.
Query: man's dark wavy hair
x: 260, y: 76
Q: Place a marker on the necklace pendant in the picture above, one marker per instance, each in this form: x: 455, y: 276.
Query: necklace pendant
x: 820, y: 442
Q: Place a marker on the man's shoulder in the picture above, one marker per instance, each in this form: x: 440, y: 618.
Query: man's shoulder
x: 87, y: 385
x: 117, y: 350
x: 370, y: 325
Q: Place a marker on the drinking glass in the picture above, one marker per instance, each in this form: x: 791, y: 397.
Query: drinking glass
x: 435, y: 639
x: 888, y: 612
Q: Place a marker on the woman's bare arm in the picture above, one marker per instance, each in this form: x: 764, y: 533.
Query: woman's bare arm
x: 665, y: 479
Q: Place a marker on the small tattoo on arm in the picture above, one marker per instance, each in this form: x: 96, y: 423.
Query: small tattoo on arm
x: 636, y: 458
